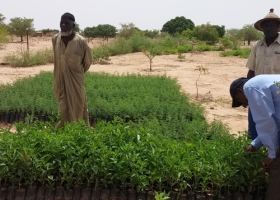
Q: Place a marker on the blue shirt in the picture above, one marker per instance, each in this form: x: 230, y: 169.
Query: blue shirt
x: 264, y: 100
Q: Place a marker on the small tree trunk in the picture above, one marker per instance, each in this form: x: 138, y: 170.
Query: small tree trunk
x: 21, y: 38
x: 150, y: 64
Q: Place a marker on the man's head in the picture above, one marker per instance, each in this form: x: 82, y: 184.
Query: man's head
x: 67, y: 24
x: 237, y: 94
x: 270, y: 24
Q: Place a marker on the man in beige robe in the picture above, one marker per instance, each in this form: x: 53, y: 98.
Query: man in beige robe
x: 72, y: 58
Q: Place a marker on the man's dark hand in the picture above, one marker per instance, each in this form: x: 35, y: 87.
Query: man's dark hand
x: 266, y: 162
x: 251, y: 148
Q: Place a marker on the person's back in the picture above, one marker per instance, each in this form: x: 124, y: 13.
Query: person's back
x: 261, y: 93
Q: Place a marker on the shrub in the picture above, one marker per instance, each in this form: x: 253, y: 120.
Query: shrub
x: 138, y: 43
x: 132, y: 97
x: 207, y: 33
x: 120, y: 46
x: 241, y: 52
x: 204, y: 47
x: 23, y: 58
x: 3, y: 35
x: 184, y: 48
x: 226, y: 42
x: 124, y: 155
x: 101, y: 55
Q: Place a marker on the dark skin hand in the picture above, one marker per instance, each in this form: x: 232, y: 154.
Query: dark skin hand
x: 265, y: 162
x: 251, y: 148
x: 250, y: 74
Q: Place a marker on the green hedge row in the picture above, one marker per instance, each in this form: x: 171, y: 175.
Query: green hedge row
x: 120, y: 155
x: 142, y: 99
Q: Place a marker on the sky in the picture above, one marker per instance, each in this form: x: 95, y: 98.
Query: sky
x: 144, y: 14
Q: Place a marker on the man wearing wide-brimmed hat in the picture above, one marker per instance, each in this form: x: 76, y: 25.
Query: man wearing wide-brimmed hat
x: 265, y: 55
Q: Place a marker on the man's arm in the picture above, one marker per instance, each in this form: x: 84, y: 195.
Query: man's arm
x: 250, y: 74
x: 251, y: 62
x: 262, y: 107
x: 87, y: 60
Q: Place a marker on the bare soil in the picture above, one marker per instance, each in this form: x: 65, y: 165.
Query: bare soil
x: 212, y: 90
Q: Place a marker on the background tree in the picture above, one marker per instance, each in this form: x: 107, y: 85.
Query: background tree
x: 234, y: 36
x: 249, y: 33
x: 3, y: 35
x: 177, y: 25
x: 19, y: 26
x: 151, y: 33
x: 45, y: 31
x: 102, y: 30
x: 2, y: 19
x: 77, y: 28
x: 127, y: 30
x: 90, y: 32
x: 220, y: 29
x: 105, y: 31
x: 207, y: 33
x: 187, y: 33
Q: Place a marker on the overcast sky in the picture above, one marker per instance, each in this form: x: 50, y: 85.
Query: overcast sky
x: 145, y: 14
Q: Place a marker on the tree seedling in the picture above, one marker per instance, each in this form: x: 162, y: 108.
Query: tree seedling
x: 150, y: 53
x: 200, y: 68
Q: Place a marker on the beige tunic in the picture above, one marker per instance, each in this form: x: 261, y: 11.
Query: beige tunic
x: 264, y: 59
x: 70, y: 65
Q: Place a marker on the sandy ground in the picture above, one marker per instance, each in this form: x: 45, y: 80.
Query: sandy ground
x: 213, y: 85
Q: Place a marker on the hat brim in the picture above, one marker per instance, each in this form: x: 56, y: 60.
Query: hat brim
x: 257, y: 25
x: 235, y: 103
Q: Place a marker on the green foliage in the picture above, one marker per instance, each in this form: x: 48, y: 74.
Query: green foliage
x: 220, y: 29
x: 205, y: 47
x: 101, y: 55
x: 122, y: 155
x: 90, y: 32
x: 23, y: 58
x: 161, y: 195
x: 207, y: 33
x: 44, y: 31
x: 151, y: 52
x: 151, y: 33
x: 120, y: 46
x: 226, y: 42
x: 140, y: 43
x: 127, y: 30
x: 77, y: 28
x: 177, y: 25
x: 104, y: 31
x: 188, y: 33
x: 240, y: 52
x: 184, y: 48
x: 249, y: 33
x: 2, y: 19
x: 19, y: 26
x: 143, y: 99
x: 3, y: 34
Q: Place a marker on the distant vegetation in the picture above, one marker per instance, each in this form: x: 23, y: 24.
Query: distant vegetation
x: 177, y: 36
